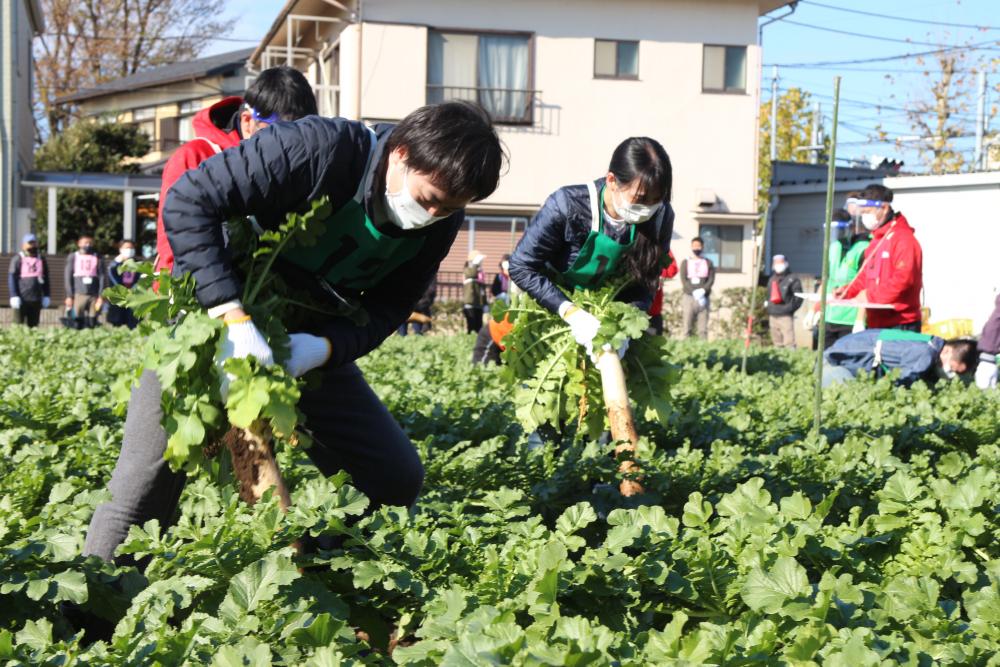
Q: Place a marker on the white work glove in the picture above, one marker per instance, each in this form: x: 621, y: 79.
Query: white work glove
x: 306, y: 353
x: 583, y: 326
x: 986, y: 371
x: 15, y: 302
x: 240, y: 340
x: 698, y: 294
x: 46, y: 302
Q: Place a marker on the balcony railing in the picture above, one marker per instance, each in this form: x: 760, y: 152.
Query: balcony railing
x: 510, y: 106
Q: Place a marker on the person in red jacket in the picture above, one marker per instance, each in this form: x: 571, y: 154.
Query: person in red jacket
x: 892, y: 270
x: 279, y: 93
x: 656, y: 310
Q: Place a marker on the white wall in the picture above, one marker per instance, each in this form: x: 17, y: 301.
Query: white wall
x: 957, y: 221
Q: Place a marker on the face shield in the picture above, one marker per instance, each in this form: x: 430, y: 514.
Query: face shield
x: 871, y: 213
x: 840, y: 230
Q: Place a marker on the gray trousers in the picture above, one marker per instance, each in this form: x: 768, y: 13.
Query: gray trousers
x: 352, y: 431
x: 782, y: 330
x: 692, y: 317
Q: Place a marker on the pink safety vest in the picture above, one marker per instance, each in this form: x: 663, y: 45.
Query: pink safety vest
x: 84, y: 266
x: 31, y: 267
x: 697, y: 267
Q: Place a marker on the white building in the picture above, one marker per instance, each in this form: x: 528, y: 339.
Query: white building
x: 566, y: 82
x: 20, y: 21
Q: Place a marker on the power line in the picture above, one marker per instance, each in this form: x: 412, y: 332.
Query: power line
x: 118, y: 38
x: 899, y: 18
x: 989, y: 45
x: 852, y: 33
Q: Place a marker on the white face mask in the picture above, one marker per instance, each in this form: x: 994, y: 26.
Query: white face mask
x: 404, y: 211
x: 870, y: 221
x: 128, y: 253
x: 780, y: 268
x: 635, y: 213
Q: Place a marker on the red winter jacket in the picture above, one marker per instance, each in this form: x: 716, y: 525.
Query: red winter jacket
x: 667, y: 273
x: 211, y: 138
x: 892, y: 273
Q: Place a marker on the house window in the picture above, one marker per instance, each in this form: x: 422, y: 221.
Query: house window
x: 145, y: 120
x: 724, y: 69
x: 491, y: 69
x: 186, y: 112
x: 723, y: 245
x: 615, y: 59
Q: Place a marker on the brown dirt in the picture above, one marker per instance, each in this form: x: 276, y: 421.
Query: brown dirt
x: 247, y: 460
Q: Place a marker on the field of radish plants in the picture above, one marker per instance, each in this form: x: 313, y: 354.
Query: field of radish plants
x: 752, y: 541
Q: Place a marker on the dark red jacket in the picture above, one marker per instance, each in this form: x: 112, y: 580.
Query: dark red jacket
x: 892, y: 273
x: 667, y: 273
x: 212, y: 137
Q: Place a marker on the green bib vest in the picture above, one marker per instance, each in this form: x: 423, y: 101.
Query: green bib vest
x: 600, y: 254
x: 844, y: 266
x: 350, y: 251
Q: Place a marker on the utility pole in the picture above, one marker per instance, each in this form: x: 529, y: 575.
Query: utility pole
x: 980, y: 161
x: 774, y: 114
x: 817, y: 142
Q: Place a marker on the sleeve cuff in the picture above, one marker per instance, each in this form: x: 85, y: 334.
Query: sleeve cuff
x: 223, y: 308
x: 987, y: 357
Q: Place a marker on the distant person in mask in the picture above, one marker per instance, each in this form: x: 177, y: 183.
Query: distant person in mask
x: 117, y: 315
x: 84, y: 282
x: 28, y: 283
x: 474, y: 292
x: 782, y: 303
x: 697, y: 277
x: 500, y: 289
x: 398, y: 194
x: 614, y: 228
x: 892, y: 271
x: 847, y: 251
x: 917, y: 356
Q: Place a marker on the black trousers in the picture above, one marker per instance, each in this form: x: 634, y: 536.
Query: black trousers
x: 352, y: 430
x: 835, y: 332
x: 29, y: 313
x: 910, y: 326
x: 473, y: 318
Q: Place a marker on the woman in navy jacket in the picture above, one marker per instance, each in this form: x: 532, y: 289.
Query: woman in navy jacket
x: 619, y: 225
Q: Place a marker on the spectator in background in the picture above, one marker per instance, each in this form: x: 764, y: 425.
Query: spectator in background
x: 847, y: 250
x: 782, y: 303
x: 118, y: 316
x: 989, y: 347
x: 474, y: 292
x: 84, y: 278
x: 892, y: 271
x: 278, y: 93
x: 500, y: 289
x: 28, y: 282
x: 656, y: 310
x: 423, y: 307
x: 697, y: 277
x: 879, y: 351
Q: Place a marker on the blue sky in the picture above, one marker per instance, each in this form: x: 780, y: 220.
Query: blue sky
x: 868, y: 97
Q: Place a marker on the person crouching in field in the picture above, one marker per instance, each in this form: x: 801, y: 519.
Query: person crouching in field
x: 917, y: 356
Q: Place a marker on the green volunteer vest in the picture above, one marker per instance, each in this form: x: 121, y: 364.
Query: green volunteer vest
x: 600, y: 254
x: 350, y: 251
x: 899, y: 334
x: 844, y: 266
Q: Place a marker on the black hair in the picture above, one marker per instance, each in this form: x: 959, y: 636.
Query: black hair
x: 965, y: 351
x: 644, y: 160
x: 841, y: 215
x: 124, y: 241
x: 283, y: 91
x: 455, y: 144
x: 698, y: 239
x: 876, y: 192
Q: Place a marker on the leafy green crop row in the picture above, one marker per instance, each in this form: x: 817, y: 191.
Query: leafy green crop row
x: 756, y: 543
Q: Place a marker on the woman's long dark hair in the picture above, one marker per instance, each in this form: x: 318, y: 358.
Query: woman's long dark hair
x: 644, y: 159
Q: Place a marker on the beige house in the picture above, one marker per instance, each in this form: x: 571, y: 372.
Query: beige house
x: 20, y: 21
x: 162, y: 101
x: 566, y: 81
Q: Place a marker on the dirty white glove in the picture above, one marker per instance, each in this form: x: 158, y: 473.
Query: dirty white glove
x: 582, y: 325
x: 986, y: 371
x: 15, y: 302
x: 46, y: 302
x: 240, y: 339
x: 306, y: 353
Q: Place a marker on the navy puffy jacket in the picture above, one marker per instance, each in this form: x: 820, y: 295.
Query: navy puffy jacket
x: 280, y: 169
x: 915, y: 360
x: 554, y: 238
